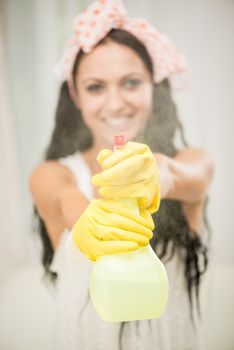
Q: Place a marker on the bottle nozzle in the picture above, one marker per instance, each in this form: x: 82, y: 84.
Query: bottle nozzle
x: 119, y: 141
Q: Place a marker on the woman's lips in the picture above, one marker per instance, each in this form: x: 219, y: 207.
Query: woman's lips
x: 120, y: 121
x: 117, y: 121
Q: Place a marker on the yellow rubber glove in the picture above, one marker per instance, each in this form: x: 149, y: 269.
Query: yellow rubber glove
x: 109, y: 227
x: 129, y: 172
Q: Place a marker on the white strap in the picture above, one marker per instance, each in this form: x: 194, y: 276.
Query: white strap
x: 74, y: 254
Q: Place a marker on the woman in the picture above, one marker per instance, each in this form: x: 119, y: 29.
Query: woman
x: 117, y: 72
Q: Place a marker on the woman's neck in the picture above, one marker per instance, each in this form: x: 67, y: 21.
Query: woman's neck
x: 90, y: 157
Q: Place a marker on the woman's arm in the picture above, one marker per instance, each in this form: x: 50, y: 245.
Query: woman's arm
x: 185, y: 177
x: 57, y: 198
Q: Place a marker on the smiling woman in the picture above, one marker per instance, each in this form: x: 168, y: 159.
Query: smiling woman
x: 113, y: 98
x: 118, y: 81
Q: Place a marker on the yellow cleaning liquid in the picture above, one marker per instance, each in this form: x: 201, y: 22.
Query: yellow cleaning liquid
x: 129, y: 286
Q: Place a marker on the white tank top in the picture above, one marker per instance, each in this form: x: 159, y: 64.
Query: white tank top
x: 78, y: 325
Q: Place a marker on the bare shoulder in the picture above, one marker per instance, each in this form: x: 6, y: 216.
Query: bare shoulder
x: 200, y: 161
x: 57, y: 197
x: 46, y: 183
x: 49, y: 174
x: 196, y: 154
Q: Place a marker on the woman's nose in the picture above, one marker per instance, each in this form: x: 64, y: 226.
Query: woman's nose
x: 114, y: 100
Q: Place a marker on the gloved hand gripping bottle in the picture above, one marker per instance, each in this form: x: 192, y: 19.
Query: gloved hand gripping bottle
x: 129, y: 286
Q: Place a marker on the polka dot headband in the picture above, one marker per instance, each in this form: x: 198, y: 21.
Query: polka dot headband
x: 95, y: 23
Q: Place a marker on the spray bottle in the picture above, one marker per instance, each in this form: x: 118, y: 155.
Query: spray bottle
x: 132, y: 285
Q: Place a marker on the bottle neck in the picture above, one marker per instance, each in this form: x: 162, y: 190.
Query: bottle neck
x: 132, y: 204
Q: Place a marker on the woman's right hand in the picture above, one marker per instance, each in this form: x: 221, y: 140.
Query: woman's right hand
x: 110, y: 227
x: 129, y: 172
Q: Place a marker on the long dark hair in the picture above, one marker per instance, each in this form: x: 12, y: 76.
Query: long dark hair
x: 71, y: 134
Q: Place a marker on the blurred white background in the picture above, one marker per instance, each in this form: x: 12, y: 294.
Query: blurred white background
x: 32, y: 34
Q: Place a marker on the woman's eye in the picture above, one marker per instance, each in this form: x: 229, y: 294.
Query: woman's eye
x: 94, y: 88
x: 132, y: 83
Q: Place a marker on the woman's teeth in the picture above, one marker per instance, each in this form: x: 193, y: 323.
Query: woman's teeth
x: 117, y: 121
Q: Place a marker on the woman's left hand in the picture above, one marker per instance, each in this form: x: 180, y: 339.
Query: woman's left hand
x: 129, y: 172
x: 166, y: 177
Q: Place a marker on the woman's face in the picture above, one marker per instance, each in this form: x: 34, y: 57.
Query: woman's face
x: 115, y: 92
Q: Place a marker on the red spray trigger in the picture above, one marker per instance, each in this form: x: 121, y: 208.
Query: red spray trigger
x: 119, y: 141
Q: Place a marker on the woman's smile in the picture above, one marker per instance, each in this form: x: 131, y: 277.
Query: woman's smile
x: 114, y: 92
